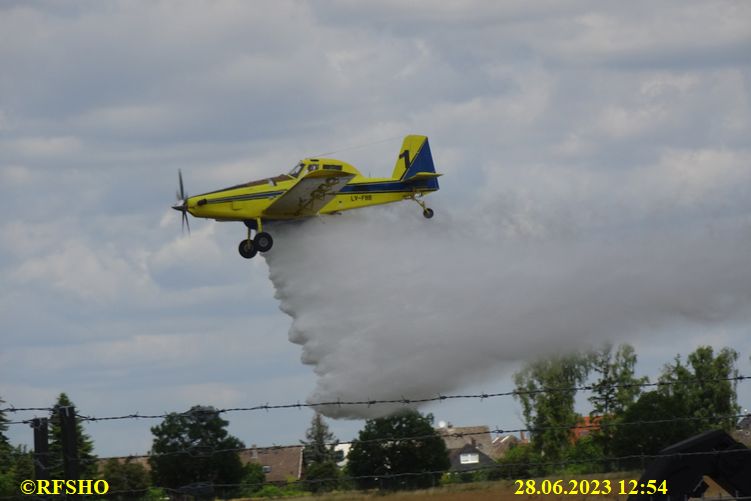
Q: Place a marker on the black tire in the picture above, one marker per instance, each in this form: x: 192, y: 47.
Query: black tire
x: 263, y: 242
x: 247, y: 249
x: 428, y: 213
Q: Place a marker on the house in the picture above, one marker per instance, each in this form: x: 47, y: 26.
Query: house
x: 459, y: 436
x: 585, y: 426
x: 342, y: 451
x: 142, y: 460
x: 280, y: 464
x: 469, y: 447
x: 501, y: 445
x: 468, y: 457
x: 745, y: 423
x: 742, y: 432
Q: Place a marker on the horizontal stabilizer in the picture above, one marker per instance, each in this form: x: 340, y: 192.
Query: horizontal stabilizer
x: 422, y: 176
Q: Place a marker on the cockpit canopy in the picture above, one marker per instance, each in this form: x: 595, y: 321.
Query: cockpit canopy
x: 297, y: 169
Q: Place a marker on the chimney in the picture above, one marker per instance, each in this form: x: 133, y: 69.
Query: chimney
x: 522, y: 435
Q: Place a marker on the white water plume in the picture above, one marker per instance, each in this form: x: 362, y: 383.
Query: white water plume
x: 387, y: 305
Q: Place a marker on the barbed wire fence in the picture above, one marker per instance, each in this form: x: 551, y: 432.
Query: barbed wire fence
x: 70, y: 461
x: 392, y: 401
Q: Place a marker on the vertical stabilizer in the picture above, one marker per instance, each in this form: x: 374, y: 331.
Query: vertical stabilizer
x: 415, y: 163
x: 414, y: 157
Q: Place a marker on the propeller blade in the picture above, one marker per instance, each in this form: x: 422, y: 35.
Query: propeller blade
x: 182, y: 190
x: 182, y: 206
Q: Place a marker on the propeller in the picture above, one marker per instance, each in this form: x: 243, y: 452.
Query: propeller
x: 182, y: 206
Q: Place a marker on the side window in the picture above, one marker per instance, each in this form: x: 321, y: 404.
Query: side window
x: 312, y: 167
x: 297, y: 170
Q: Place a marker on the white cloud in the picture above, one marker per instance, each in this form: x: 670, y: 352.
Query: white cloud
x: 702, y: 176
x: 75, y: 268
x: 16, y: 175
x: 550, y: 121
x: 641, y: 32
x: 43, y: 146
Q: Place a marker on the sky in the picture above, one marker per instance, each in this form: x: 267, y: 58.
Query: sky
x: 597, y: 187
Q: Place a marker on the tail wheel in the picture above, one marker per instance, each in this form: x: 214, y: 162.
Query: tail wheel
x: 428, y: 213
x: 247, y: 249
x: 263, y: 242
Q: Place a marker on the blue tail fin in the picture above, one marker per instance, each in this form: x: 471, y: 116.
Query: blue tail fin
x: 415, y: 164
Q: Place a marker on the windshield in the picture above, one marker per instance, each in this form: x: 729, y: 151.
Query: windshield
x: 296, y: 170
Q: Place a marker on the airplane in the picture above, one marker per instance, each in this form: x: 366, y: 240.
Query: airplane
x: 314, y: 186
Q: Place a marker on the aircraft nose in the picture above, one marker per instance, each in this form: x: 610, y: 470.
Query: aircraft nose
x: 182, y: 207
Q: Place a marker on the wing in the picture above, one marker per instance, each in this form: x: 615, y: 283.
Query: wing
x: 309, y: 195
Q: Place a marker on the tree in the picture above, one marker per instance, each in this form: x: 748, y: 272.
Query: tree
x: 87, y: 461
x: 127, y: 479
x: 253, y: 481
x: 585, y: 456
x: 6, y: 459
x: 544, y: 389
x: 21, y: 468
x: 520, y: 461
x: 650, y: 425
x: 320, y: 444
x: 194, y: 449
x: 322, y: 477
x: 319, y: 456
x: 705, y: 385
x: 7, y: 486
x: 387, y: 455
x: 615, y: 389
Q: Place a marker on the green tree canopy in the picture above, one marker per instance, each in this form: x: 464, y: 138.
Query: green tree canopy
x: 544, y: 390
x: 705, y: 385
x: 633, y: 437
x: 194, y: 448
x: 319, y: 456
x: 616, y: 386
x: 319, y: 443
x: 6, y: 460
x: 615, y: 389
x: 128, y: 479
x: 385, y: 451
x: 87, y: 461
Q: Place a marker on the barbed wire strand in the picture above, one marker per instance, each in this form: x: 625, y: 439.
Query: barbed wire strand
x: 442, y: 435
x: 201, y: 452
x: 373, y: 402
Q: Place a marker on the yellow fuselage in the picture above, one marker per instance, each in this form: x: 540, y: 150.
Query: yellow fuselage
x: 250, y: 200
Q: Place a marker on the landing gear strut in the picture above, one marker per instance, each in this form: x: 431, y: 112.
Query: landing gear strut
x: 426, y: 211
x: 262, y: 242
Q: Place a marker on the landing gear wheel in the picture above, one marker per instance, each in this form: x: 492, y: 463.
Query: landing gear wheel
x: 428, y: 213
x: 263, y: 242
x: 247, y: 249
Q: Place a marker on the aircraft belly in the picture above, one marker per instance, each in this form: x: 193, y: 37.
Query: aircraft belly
x: 232, y: 209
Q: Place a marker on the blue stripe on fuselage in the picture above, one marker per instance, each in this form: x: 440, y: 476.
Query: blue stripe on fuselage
x: 389, y: 186
x: 368, y: 187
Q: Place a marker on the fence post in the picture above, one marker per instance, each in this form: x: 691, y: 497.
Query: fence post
x: 70, y: 441
x: 41, y: 448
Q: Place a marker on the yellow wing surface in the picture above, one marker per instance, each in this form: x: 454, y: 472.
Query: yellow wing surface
x: 309, y: 195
